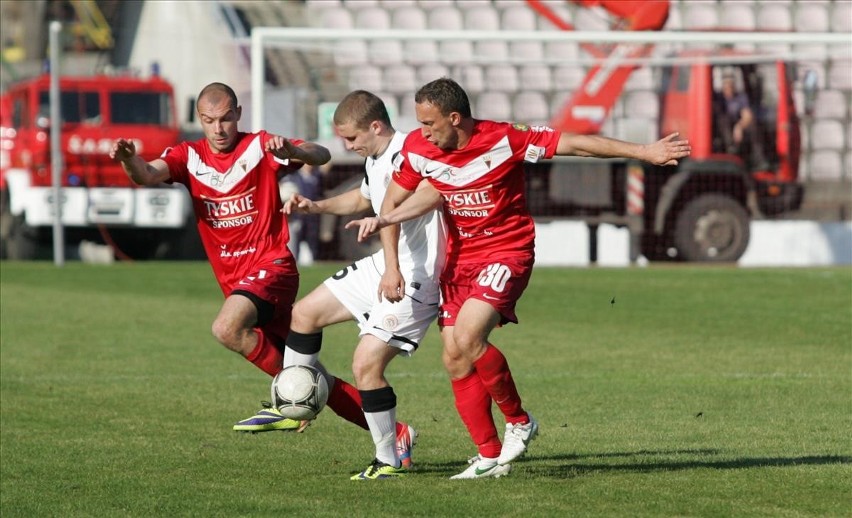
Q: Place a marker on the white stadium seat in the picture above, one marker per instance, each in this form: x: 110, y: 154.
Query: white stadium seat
x: 699, y: 14
x: 351, y: 53
x: 591, y: 19
x: 391, y: 102
x: 372, y: 18
x: 470, y: 77
x: 840, y: 75
x: 445, y: 19
x: 535, y: 77
x: 526, y: 51
x: 841, y: 17
x: 474, y: 4
x: 427, y: 73
x: 825, y: 165
x: 429, y: 5
x: 567, y: 77
x: 530, y: 108
x: 501, y: 78
x: 481, y: 19
x: 640, y: 79
x: 642, y: 103
x: 774, y: 16
x: 494, y: 106
x: 519, y: 17
x: 386, y: 52
x: 737, y: 16
x: 410, y: 18
x: 354, y: 5
x: 336, y: 18
x: 847, y: 165
x: 400, y: 78
x: 565, y: 51
x: 830, y: 104
x: 491, y: 51
x: 366, y: 77
x: 812, y: 17
x: 420, y: 52
x: 453, y: 52
x: 827, y: 134
x: 561, y: 11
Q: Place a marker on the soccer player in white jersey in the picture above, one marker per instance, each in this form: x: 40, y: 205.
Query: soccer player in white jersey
x: 476, y: 167
x: 232, y: 178
x: 393, y: 294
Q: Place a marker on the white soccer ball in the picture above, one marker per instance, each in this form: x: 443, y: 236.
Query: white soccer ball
x: 299, y: 392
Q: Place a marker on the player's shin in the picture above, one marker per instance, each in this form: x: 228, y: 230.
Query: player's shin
x: 345, y: 401
x: 474, y: 406
x: 265, y: 355
x: 493, y: 370
x: 379, y: 407
x: 302, y: 348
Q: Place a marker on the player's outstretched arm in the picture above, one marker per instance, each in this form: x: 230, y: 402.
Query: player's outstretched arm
x: 345, y: 204
x: 138, y: 170
x: 665, y: 151
x: 309, y: 153
x: 399, y: 205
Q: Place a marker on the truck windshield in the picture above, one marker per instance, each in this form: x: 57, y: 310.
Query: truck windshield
x: 140, y: 108
x: 77, y: 107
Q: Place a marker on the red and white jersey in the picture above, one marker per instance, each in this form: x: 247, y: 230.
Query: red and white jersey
x: 237, y: 204
x: 483, y: 186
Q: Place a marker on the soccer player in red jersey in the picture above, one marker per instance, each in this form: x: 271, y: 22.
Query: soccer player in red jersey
x: 476, y: 166
x: 232, y: 178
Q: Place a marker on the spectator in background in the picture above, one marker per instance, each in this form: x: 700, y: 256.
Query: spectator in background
x: 304, y: 228
x: 738, y: 124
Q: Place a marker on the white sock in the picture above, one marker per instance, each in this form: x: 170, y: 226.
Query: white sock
x: 383, y: 429
x: 291, y: 357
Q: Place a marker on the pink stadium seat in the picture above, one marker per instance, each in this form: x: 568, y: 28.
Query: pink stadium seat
x: 372, y: 18
x: 366, y: 77
x: 830, y: 104
x: 737, y: 16
x: 493, y: 105
x: 841, y: 17
x: 530, y: 108
x: 400, y: 79
x: 812, y: 17
x: 481, y: 19
x: 518, y: 17
x: 446, y: 19
x: 501, y: 78
x: 825, y: 165
x: 535, y: 78
x: 410, y: 18
x: 827, y: 134
x: 775, y: 17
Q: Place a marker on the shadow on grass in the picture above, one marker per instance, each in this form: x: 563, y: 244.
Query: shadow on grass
x: 576, y: 465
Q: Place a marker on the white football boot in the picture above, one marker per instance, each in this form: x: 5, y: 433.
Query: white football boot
x: 517, y: 437
x: 480, y: 467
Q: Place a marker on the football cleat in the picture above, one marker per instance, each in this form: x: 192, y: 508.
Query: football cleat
x: 269, y: 419
x: 481, y: 467
x: 517, y: 437
x: 379, y: 470
x: 406, y: 438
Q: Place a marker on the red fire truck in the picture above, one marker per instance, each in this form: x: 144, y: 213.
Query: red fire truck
x: 98, y: 200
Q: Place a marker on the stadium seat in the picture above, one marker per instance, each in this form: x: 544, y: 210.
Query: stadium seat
x: 847, y: 165
x: 491, y: 51
x: 738, y: 16
x: 366, y: 77
x: 827, y: 134
x: 778, y: 49
x: 841, y: 17
x: 470, y: 77
x: 774, y: 17
x: 840, y: 75
x: 518, y: 18
x: 812, y: 17
x: 534, y: 78
x: 818, y: 67
x: 810, y: 51
x: 675, y: 20
x: 825, y: 165
x: 493, y: 105
x: 387, y: 52
x: 445, y: 19
x: 319, y: 5
x: 481, y: 19
x: 530, y: 108
x: 429, y: 5
x: 591, y: 19
x: 408, y: 18
x: 431, y: 72
x: 391, y: 102
x: 830, y: 104
x: 336, y: 18
x: 636, y: 129
x: 640, y: 79
x: 420, y: 52
x: 474, y: 4
x: 374, y: 18
x: 699, y: 14
x: 567, y: 77
x: 566, y: 51
x: 351, y: 53
x: 642, y: 103
x: 399, y: 78
x: 562, y: 11
x: 398, y: 4
x: 453, y: 52
x: 354, y: 5
x: 526, y: 51
x: 501, y: 78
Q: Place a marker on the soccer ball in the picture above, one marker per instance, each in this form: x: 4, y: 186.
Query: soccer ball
x: 299, y: 392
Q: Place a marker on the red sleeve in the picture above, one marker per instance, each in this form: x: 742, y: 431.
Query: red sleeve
x: 282, y: 167
x: 176, y: 158
x: 533, y: 143
x: 404, y: 173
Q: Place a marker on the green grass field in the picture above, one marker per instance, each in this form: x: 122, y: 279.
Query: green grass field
x: 699, y: 392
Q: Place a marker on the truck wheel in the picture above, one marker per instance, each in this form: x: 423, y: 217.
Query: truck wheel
x: 712, y: 228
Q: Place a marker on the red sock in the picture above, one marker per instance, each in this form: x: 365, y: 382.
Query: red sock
x: 474, y: 406
x: 345, y: 400
x: 494, y: 372
x: 265, y: 355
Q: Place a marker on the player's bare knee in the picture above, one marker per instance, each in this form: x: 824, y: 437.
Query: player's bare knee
x: 226, y: 334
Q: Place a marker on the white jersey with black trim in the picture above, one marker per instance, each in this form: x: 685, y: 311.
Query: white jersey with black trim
x: 423, y: 240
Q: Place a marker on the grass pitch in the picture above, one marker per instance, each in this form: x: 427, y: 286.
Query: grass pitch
x: 665, y: 391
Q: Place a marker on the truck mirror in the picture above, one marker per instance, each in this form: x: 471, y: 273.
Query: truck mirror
x: 809, y: 84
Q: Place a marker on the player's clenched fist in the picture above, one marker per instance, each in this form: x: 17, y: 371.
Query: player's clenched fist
x: 122, y: 150
x: 281, y: 147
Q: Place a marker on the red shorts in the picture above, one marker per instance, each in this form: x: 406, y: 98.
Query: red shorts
x: 273, y: 289
x: 499, y: 283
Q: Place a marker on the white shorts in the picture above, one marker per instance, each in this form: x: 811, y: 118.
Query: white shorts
x: 402, y: 324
